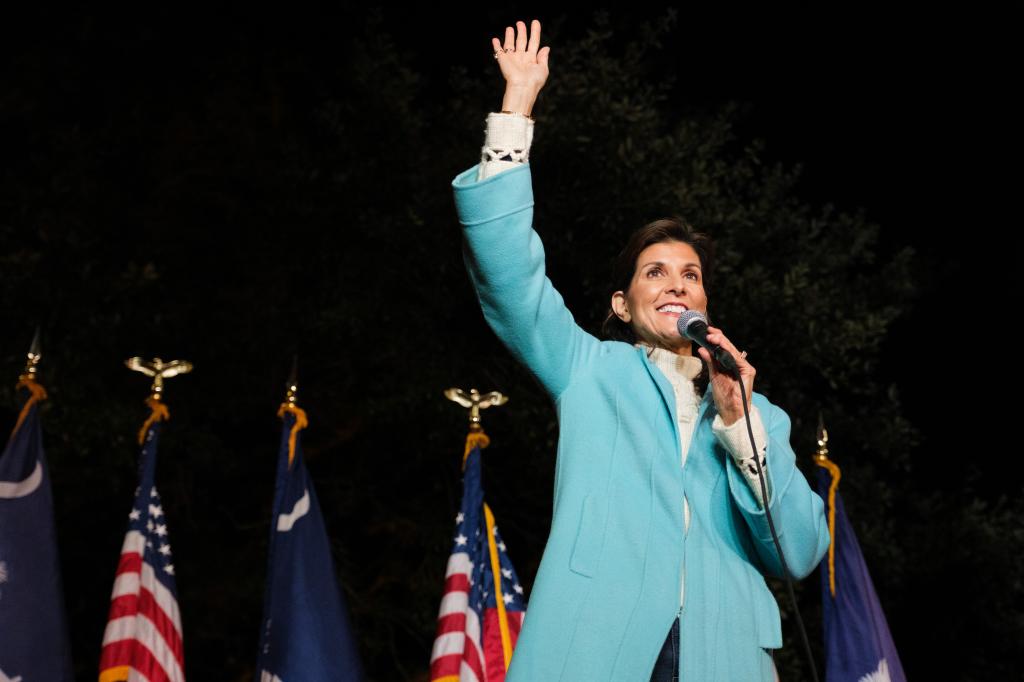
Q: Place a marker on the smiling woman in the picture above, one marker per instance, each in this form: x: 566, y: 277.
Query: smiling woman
x: 659, y: 541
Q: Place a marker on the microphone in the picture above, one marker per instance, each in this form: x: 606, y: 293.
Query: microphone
x: 694, y: 326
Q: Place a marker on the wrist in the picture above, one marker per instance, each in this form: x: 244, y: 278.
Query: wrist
x: 730, y: 418
x: 519, y: 99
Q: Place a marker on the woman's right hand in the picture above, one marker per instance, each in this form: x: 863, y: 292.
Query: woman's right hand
x: 524, y: 66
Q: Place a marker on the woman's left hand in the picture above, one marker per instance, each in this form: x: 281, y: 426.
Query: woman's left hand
x: 726, y: 391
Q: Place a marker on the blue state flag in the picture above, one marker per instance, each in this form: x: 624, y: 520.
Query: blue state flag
x: 858, y: 646
x: 34, y: 641
x: 306, y: 635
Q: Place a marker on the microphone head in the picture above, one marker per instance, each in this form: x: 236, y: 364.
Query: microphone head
x: 688, y: 318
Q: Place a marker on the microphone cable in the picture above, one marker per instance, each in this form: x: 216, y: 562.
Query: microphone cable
x: 775, y: 537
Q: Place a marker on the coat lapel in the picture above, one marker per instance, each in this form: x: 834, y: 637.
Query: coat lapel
x: 668, y: 396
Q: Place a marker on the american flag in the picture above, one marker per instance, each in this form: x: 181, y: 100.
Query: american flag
x: 484, y: 605
x: 143, y: 636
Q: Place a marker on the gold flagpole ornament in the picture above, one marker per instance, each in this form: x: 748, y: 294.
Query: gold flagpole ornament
x: 29, y: 380
x: 159, y: 370
x: 290, y: 404
x: 475, y: 402
x: 822, y: 460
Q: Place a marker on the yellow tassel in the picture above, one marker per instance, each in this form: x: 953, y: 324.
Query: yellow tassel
x: 833, y: 469
x: 38, y: 393
x: 473, y: 439
x: 118, y: 674
x: 159, y: 413
x: 506, y: 639
x: 300, y: 423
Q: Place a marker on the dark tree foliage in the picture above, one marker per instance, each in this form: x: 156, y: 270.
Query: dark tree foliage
x: 265, y: 188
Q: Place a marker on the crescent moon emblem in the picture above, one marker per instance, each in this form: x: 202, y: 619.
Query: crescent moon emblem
x: 10, y: 490
x: 285, y: 522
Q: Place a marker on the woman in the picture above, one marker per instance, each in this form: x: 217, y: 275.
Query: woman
x: 653, y: 566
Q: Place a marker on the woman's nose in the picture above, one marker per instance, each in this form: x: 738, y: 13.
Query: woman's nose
x: 677, y: 287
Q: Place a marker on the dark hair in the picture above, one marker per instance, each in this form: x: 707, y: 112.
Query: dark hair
x: 624, y: 268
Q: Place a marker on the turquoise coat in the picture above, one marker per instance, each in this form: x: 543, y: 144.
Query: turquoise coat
x: 607, y: 589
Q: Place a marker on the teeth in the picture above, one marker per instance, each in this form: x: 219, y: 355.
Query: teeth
x: 672, y: 309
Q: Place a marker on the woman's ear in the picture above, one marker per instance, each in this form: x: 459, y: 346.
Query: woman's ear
x: 619, y: 306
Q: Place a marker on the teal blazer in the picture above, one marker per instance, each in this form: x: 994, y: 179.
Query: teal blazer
x: 607, y: 588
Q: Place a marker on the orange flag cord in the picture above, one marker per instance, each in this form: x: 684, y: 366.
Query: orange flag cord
x: 301, y: 422
x: 474, y: 439
x: 159, y: 413
x: 499, y: 598
x: 38, y: 394
x: 833, y: 469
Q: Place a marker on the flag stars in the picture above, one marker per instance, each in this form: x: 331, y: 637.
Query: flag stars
x: 508, y: 598
x: 461, y: 539
x: 501, y: 546
x: 169, y: 569
x: 507, y: 573
x: 134, y: 515
x: 165, y: 550
x: 161, y: 530
x: 460, y: 517
x: 156, y: 510
x: 149, y: 525
x: 153, y: 492
x: 518, y: 588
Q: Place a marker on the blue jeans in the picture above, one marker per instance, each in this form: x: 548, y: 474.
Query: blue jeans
x: 666, y: 668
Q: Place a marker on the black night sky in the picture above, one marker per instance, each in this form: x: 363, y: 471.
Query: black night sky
x: 236, y: 186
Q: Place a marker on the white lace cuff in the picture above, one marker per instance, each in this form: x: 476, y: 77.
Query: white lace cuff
x: 506, y: 144
x: 735, y: 439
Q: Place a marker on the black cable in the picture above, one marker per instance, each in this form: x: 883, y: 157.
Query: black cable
x: 775, y: 537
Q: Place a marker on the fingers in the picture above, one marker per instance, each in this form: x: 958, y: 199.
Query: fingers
x: 521, y: 36
x: 510, y: 38
x: 542, y: 56
x: 716, y: 337
x: 534, y: 43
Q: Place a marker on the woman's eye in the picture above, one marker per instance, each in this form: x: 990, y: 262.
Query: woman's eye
x: 693, y: 275
x: 653, y: 271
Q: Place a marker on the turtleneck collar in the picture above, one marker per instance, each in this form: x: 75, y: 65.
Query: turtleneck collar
x: 673, y: 364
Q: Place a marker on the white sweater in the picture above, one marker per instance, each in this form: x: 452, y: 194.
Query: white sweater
x: 507, y: 145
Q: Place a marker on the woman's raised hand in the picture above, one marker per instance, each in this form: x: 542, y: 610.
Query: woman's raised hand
x: 524, y: 64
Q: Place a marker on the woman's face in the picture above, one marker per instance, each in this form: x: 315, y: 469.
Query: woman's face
x: 667, y: 279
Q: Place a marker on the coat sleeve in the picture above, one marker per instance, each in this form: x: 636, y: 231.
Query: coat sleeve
x: 505, y: 260
x: 797, y: 511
